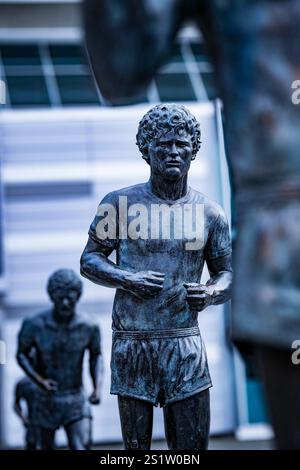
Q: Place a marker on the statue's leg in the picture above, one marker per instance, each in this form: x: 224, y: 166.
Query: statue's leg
x: 47, y: 438
x: 187, y: 422
x: 76, y: 434
x: 31, y: 438
x: 87, y: 432
x: 136, y: 422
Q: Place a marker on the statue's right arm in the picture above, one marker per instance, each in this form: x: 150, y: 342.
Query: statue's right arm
x: 25, y: 344
x: 95, y: 266
x: 17, y: 401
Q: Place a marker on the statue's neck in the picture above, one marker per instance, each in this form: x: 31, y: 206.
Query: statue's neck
x: 166, y: 189
x: 63, y: 320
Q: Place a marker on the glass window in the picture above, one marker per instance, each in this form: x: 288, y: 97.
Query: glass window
x: 36, y: 72
x: 20, y: 55
x: 200, y: 51
x: 77, y: 89
x: 209, y: 81
x: 67, y: 54
x: 27, y: 91
x: 175, y: 87
x: 176, y: 54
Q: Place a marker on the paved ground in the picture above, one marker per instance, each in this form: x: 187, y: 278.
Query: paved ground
x: 216, y: 443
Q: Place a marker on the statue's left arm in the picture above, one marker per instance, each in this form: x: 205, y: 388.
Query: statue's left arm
x: 96, y: 365
x: 218, y: 258
x: 219, y: 284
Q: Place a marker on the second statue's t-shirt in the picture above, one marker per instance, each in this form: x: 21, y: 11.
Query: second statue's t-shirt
x: 165, y: 249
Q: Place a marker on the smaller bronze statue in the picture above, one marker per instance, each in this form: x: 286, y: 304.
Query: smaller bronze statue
x: 25, y: 393
x: 59, y: 338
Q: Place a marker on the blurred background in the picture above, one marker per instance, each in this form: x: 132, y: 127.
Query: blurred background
x: 61, y: 151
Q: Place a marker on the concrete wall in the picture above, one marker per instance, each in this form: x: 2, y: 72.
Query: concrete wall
x: 52, y: 15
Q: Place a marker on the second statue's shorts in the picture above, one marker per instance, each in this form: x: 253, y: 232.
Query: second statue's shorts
x: 161, y: 366
x: 61, y: 408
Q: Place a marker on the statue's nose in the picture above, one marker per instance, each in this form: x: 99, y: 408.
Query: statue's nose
x: 174, y: 150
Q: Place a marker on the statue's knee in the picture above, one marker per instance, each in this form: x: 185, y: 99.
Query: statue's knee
x: 132, y: 444
x: 141, y: 443
x: 77, y: 444
x: 76, y: 441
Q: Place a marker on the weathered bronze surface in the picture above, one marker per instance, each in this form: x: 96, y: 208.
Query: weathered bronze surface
x: 158, y: 356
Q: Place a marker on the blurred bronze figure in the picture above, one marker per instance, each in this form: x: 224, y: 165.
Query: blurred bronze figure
x: 158, y: 356
x: 59, y: 338
x: 25, y: 393
x: 255, y: 48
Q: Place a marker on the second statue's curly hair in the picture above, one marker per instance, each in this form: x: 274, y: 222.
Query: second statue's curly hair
x: 161, y: 119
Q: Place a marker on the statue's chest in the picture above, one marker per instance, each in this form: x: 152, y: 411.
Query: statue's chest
x: 62, y: 341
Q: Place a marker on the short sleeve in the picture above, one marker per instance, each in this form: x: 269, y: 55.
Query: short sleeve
x: 103, y: 229
x: 95, y: 341
x: 219, y: 243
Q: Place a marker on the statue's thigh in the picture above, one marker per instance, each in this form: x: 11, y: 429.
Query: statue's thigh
x: 47, y: 438
x: 136, y: 418
x: 76, y: 433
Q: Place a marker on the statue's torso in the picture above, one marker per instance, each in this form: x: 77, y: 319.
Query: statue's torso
x: 170, y: 256
x: 60, y: 350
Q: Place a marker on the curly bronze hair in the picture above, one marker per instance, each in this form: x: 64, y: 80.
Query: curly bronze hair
x: 64, y: 279
x: 161, y: 119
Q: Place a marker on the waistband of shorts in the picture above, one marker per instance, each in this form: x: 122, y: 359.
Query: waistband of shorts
x: 62, y: 393
x: 154, y: 334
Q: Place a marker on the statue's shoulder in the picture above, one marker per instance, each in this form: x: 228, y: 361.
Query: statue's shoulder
x: 213, y: 210
x: 38, y: 319
x: 135, y: 191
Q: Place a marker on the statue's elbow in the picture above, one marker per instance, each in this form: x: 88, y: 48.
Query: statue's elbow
x: 227, y: 293
x: 222, y: 296
x: 19, y: 358
x: 83, y: 265
x: 84, y: 272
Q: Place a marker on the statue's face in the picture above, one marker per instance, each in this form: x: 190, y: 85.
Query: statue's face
x: 171, y: 155
x: 64, y: 302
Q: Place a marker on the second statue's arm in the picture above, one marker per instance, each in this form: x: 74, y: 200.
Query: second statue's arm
x: 96, y: 365
x: 95, y: 266
x: 25, y: 344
